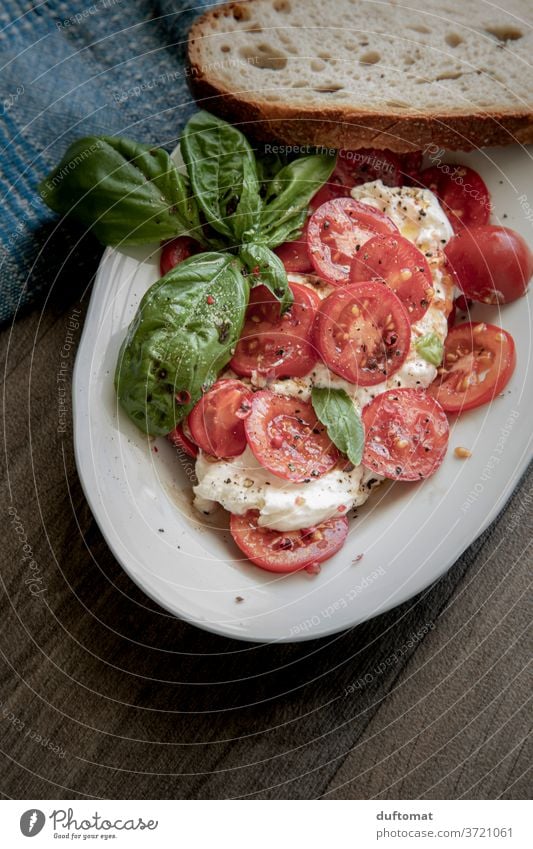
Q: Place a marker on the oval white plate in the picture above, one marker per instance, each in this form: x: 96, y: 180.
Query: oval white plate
x: 140, y: 491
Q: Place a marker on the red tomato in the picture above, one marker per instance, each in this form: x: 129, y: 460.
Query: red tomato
x: 363, y: 333
x: 287, y: 551
x: 274, y: 345
x: 397, y: 262
x: 410, y: 165
x: 287, y: 438
x: 294, y: 255
x: 478, y: 362
x: 492, y: 264
x: 330, y: 191
x: 181, y: 441
x: 355, y: 167
x: 175, y: 251
x: 452, y: 316
x: 336, y: 232
x: 217, y: 420
x: 461, y: 192
x: 406, y: 434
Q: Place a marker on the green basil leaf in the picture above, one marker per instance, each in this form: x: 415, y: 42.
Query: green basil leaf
x: 430, y: 348
x: 223, y: 174
x: 271, y: 272
x: 288, y: 195
x: 128, y: 193
x: 182, y: 335
x: 268, y: 166
x: 248, y: 212
x: 336, y: 411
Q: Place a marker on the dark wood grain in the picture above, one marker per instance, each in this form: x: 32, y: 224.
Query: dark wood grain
x: 141, y: 705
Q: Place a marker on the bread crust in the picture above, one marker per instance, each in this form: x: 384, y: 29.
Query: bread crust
x: 341, y: 127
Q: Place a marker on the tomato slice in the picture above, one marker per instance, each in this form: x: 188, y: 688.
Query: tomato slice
x: 277, y: 345
x: 294, y: 255
x: 355, y: 167
x: 461, y: 192
x: 363, y: 333
x: 287, y: 551
x: 406, y: 434
x: 397, y: 262
x: 287, y: 438
x: 491, y: 264
x: 217, y: 421
x: 337, y: 230
x: 181, y: 441
x: 175, y: 251
x: 478, y: 362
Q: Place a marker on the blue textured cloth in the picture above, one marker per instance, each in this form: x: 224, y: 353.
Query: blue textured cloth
x: 71, y: 69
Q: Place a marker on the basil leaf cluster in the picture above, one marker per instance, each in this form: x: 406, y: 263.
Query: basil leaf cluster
x: 335, y: 409
x: 232, y: 202
x: 181, y: 337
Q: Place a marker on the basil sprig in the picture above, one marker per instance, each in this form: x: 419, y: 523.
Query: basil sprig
x: 244, y: 197
x: 430, y: 348
x: 128, y: 193
x: 181, y: 337
x: 335, y: 409
x: 230, y: 200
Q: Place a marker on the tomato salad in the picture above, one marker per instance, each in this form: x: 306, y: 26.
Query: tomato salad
x: 373, y: 277
x: 302, y: 342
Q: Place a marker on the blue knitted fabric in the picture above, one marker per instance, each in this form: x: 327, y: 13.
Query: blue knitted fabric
x: 70, y: 69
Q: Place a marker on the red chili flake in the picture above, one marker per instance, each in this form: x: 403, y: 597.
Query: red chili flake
x: 341, y: 508
x: 255, y: 270
x: 210, y: 300
x: 183, y: 396
x: 156, y: 449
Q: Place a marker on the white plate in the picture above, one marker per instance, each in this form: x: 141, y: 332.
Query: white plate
x: 409, y: 534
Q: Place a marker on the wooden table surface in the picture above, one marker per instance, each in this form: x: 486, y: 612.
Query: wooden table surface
x: 105, y: 695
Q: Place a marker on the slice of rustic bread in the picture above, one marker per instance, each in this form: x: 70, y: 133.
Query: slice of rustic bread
x: 395, y: 74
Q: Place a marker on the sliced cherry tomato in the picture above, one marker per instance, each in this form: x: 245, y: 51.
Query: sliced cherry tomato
x: 180, y: 440
x: 363, y: 333
x: 277, y: 345
x: 175, y: 251
x: 406, y: 434
x: 336, y: 232
x: 491, y: 264
x: 410, y: 166
x: 287, y: 551
x: 217, y: 421
x: 478, y: 362
x: 397, y: 262
x: 355, y: 167
x: 294, y: 255
x: 461, y: 192
x: 287, y: 438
